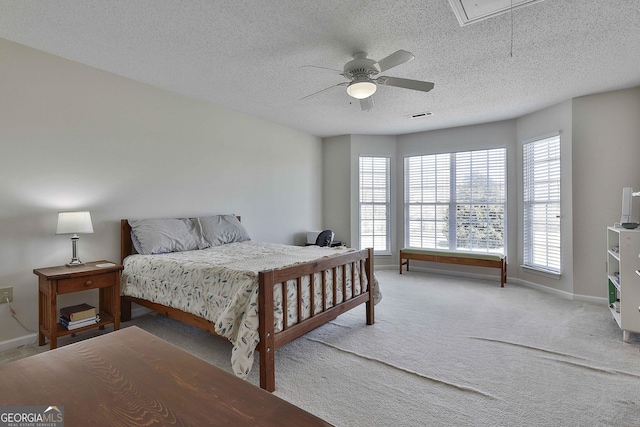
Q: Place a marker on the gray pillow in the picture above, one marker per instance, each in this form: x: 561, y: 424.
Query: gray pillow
x: 161, y: 235
x: 220, y: 229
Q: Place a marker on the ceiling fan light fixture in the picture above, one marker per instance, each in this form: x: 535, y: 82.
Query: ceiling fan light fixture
x: 361, y: 89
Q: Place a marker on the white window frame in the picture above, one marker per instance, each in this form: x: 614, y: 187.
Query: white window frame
x: 433, y: 198
x: 377, y: 234
x: 541, y: 214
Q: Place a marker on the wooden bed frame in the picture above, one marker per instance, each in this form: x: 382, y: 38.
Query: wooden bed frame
x: 267, y: 280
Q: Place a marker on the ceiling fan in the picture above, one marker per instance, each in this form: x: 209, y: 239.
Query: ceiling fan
x: 362, y: 71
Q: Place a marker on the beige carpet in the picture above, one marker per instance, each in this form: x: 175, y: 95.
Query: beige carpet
x: 447, y: 351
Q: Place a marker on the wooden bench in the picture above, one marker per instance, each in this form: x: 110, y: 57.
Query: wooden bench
x: 451, y: 257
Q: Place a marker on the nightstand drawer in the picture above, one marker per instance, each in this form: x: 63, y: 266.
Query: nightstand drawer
x: 86, y: 282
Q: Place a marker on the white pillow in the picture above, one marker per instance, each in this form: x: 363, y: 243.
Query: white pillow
x: 220, y: 229
x: 161, y: 235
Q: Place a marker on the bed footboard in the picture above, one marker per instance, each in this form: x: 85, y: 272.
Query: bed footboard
x: 361, y: 261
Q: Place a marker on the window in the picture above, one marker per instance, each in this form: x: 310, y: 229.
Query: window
x: 541, y: 190
x: 375, y: 204
x: 456, y: 201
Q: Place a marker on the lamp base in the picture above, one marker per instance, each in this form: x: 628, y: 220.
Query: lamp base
x: 74, y: 263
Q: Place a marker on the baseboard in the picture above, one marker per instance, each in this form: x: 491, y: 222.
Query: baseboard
x: 139, y: 311
x: 385, y: 267
x: 32, y: 338
x: 14, y: 343
x: 456, y: 273
x: 557, y: 292
x: 562, y: 294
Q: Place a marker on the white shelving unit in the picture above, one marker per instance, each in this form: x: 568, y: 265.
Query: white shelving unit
x: 623, y: 265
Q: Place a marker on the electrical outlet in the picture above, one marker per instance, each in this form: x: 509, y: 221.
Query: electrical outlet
x: 6, y: 293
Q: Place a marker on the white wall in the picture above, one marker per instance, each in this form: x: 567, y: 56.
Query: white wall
x: 73, y: 137
x: 606, y: 158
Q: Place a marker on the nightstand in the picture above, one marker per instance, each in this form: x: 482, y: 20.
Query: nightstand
x: 54, y: 281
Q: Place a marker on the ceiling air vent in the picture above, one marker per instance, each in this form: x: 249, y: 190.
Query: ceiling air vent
x: 420, y: 115
x: 470, y: 11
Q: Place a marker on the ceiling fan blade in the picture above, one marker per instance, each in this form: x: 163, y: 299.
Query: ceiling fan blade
x: 324, y: 90
x: 393, y: 60
x: 405, y: 83
x: 366, y: 104
x: 322, y: 68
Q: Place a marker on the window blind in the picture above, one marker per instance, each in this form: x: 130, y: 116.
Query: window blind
x: 374, y: 204
x: 541, y: 191
x: 480, y: 200
x: 427, y: 194
x: 456, y: 201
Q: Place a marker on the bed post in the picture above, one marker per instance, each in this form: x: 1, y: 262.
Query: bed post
x: 126, y: 245
x: 503, y: 272
x: 266, y: 346
x: 125, y: 309
x: 370, y: 304
x: 126, y: 249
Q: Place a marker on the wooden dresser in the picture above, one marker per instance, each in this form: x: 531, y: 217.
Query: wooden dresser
x: 132, y: 378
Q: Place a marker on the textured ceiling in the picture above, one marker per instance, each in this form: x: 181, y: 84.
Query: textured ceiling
x: 246, y: 54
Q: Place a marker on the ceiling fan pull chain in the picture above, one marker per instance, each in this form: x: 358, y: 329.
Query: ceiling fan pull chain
x: 511, y: 52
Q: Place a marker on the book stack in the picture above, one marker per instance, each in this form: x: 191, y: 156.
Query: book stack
x: 78, y: 316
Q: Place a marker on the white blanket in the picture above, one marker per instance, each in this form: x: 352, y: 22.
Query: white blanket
x: 220, y: 284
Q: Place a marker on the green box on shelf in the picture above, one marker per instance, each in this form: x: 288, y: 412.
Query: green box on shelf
x: 612, y: 292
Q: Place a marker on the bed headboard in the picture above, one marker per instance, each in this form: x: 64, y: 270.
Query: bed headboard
x: 126, y: 245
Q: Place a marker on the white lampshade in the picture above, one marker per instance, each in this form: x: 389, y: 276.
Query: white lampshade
x: 74, y: 223
x: 361, y: 90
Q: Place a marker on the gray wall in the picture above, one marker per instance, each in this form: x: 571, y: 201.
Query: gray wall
x: 74, y: 137
x: 485, y: 136
x: 557, y: 118
x: 336, y: 186
x: 600, y: 137
x: 606, y: 158
x: 367, y: 145
x: 341, y: 192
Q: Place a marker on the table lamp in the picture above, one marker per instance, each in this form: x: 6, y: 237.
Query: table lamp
x: 74, y: 223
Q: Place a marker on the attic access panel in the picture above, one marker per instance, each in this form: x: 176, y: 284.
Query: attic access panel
x: 470, y: 11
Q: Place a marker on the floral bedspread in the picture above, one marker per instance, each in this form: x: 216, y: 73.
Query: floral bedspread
x: 220, y: 284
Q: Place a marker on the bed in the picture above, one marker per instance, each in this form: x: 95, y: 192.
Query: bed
x: 257, y: 295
